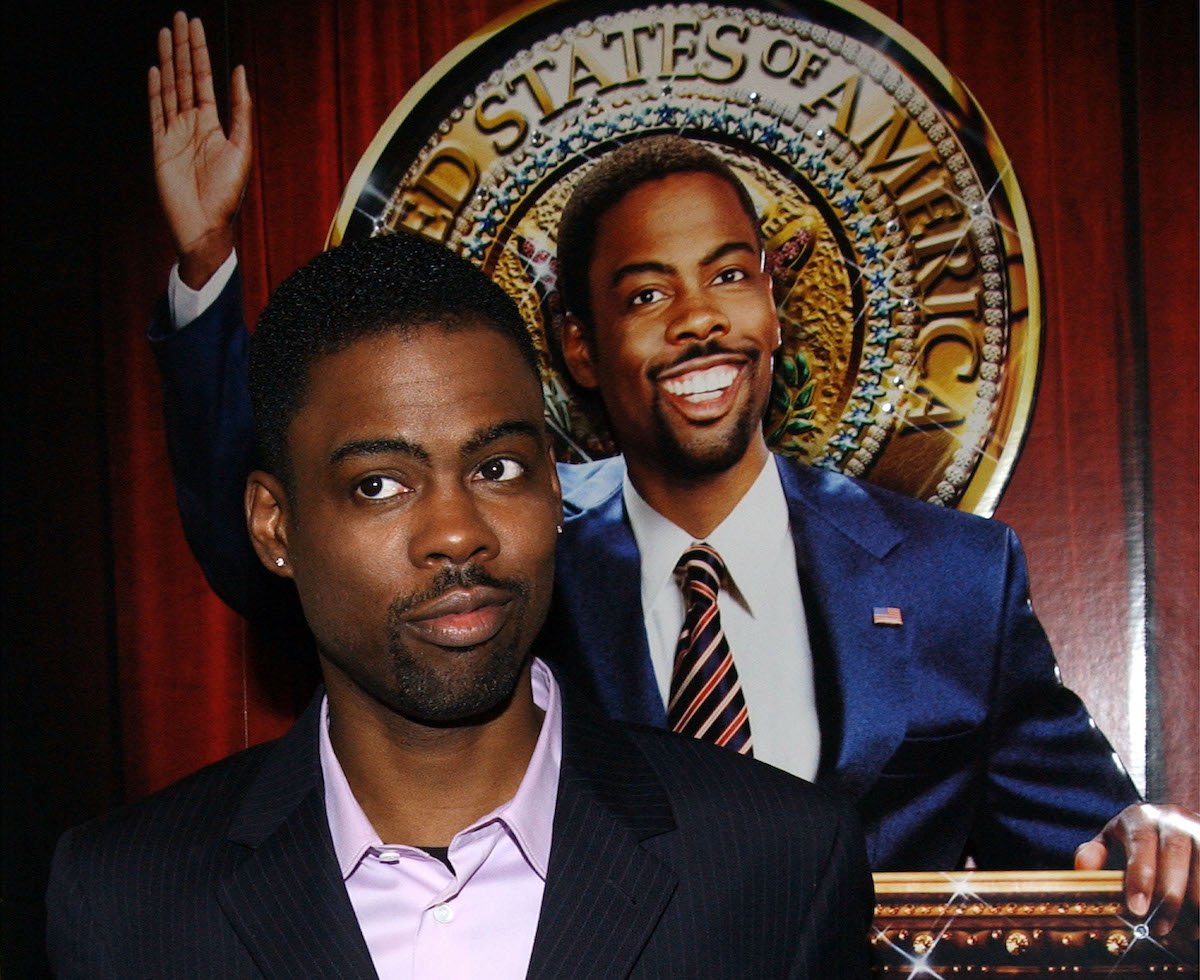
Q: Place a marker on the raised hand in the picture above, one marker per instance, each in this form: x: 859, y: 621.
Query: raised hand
x: 200, y: 172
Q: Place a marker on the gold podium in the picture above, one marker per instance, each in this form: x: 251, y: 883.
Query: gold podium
x: 1017, y: 923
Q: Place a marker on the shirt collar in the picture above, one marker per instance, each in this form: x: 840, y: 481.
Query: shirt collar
x: 660, y: 543
x: 528, y: 816
x: 756, y: 528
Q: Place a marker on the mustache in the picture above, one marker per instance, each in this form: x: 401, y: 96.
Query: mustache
x: 709, y: 347
x: 451, y: 578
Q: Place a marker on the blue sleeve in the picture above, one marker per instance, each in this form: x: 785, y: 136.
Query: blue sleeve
x: 211, y: 446
x: 1053, y: 779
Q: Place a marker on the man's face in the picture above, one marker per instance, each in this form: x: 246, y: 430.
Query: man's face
x: 420, y: 529
x: 684, y: 325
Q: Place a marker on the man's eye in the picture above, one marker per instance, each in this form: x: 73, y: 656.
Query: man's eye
x: 730, y: 275
x: 645, y: 296
x: 379, y: 488
x: 499, y: 470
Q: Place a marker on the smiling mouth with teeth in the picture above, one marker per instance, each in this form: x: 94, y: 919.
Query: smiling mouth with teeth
x: 702, y: 385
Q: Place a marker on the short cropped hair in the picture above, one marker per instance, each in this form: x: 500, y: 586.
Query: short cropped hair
x: 637, y: 162
x: 398, y: 282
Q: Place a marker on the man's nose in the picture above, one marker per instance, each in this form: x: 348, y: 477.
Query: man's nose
x: 695, y: 318
x: 452, y: 529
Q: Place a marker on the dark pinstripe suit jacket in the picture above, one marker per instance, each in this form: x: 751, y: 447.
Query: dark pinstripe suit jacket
x: 669, y: 859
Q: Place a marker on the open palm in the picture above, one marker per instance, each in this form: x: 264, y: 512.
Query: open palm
x: 201, y: 173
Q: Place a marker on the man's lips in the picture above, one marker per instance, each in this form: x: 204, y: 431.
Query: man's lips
x: 461, y: 618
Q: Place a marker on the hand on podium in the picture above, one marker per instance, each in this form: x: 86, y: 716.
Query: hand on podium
x: 1161, y: 847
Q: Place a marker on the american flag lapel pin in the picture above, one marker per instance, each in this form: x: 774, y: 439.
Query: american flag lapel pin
x: 887, y: 616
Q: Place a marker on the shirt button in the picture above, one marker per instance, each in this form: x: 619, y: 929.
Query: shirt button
x: 443, y: 914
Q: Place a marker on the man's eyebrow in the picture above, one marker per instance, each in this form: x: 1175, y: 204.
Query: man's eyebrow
x: 404, y: 447
x: 634, y: 268
x: 666, y: 269
x: 378, y: 447
x: 510, y: 427
x: 730, y: 248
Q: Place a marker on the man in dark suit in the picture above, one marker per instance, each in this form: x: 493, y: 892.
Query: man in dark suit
x: 442, y: 808
x: 905, y: 651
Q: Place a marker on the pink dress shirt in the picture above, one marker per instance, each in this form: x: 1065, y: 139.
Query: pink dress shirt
x: 421, y: 920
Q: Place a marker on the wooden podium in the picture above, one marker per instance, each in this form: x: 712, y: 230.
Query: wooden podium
x: 1017, y: 923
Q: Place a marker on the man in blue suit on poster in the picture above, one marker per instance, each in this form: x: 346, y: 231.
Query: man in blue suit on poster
x: 880, y: 645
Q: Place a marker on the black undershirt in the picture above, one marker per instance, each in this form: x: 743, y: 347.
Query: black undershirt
x: 441, y: 853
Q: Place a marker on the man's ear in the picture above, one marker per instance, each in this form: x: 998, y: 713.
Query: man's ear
x: 267, y: 520
x: 554, y: 482
x: 577, y: 352
x: 775, y: 292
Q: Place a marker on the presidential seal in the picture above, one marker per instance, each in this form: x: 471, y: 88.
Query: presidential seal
x: 902, y: 254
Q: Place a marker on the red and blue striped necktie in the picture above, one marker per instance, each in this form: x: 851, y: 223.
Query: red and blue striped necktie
x: 706, y: 696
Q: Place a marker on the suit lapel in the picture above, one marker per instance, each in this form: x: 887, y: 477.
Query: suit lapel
x: 599, y: 594
x: 842, y: 539
x: 287, y: 900
x: 604, y: 892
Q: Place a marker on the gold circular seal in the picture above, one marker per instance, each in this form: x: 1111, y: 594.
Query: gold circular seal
x: 902, y: 253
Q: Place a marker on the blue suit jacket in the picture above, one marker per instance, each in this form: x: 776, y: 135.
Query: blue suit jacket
x: 952, y: 732
x: 232, y: 872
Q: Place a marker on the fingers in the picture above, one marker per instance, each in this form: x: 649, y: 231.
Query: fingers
x: 181, y: 42
x: 154, y: 91
x: 1162, y: 848
x: 1141, y: 866
x: 201, y: 65
x: 1174, y: 869
x: 166, y: 64
x: 1178, y: 867
x: 183, y: 78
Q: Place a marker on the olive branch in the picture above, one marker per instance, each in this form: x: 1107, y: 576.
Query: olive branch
x: 791, y: 410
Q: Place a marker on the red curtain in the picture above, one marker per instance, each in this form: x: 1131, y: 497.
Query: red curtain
x: 1095, y: 103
